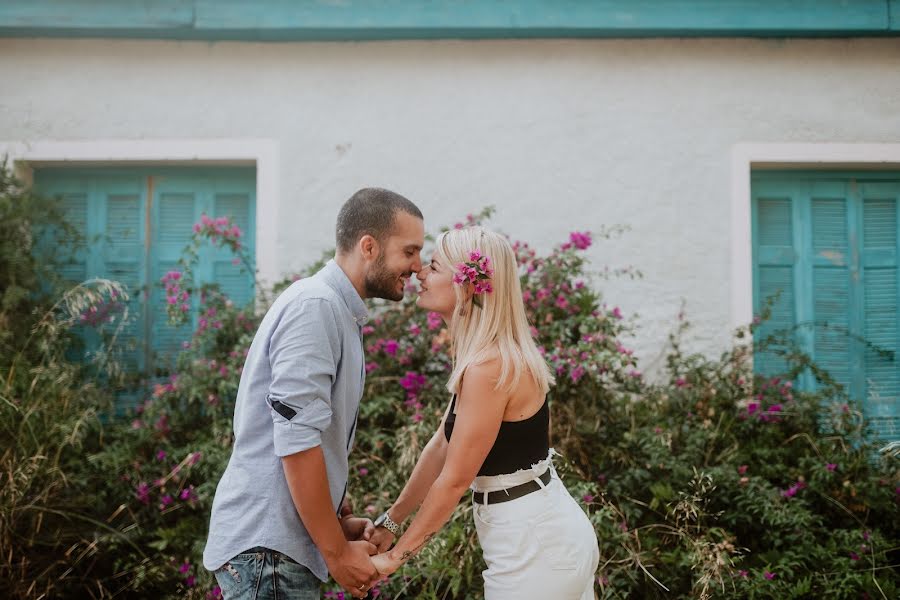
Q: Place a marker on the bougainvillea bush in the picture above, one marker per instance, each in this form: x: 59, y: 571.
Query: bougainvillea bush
x: 712, y: 482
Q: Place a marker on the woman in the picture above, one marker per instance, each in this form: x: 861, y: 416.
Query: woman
x: 494, y: 436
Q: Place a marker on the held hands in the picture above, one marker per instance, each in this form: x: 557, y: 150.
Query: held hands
x: 353, y: 570
x: 385, y: 564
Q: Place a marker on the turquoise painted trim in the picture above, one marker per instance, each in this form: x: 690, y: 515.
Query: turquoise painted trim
x: 311, y: 20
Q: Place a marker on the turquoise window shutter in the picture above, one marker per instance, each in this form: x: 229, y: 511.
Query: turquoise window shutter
x: 121, y: 254
x: 832, y: 328
x: 828, y: 242
x: 177, y: 205
x: 181, y: 198
x: 235, y: 199
x: 136, y: 223
x: 879, y: 257
x: 774, y: 265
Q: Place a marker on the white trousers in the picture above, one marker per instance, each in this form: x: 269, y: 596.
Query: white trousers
x: 537, y: 547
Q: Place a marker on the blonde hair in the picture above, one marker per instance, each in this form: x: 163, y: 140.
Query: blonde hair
x: 500, y: 322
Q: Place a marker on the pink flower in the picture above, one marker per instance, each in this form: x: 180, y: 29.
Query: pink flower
x: 576, y: 373
x: 588, y: 498
x: 752, y: 407
x: 391, y: 346
x: 412, y: 382
x: 793, y: 489
x: 371, y: 366
x: 190, y: 581
x: 561, y: 301
x: 363, y: 471
x: 582, y: 241
x: 681, y: 382
x: 743, y: 573
x: 434, y: 320
x: 367, y: 329
x: 854, y: 556
x: 195, y: 458
x: 161, y: 455
x: 831, y: 466
x: 414, y: 329
x: 617, y: 313
x: 769, y: 575
x: 184, y: 568
x: 742, y: 469
x: 143, y: 493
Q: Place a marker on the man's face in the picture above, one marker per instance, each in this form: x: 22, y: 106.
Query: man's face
x: 398, y: 260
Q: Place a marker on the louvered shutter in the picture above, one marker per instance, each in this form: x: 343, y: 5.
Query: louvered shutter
x: 880, y: 247
x: 830, y: 244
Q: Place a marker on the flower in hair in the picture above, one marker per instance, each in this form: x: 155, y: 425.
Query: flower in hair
x: 477, y: 271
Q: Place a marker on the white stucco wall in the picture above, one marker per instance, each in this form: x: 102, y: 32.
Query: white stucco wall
x: 559, y: 135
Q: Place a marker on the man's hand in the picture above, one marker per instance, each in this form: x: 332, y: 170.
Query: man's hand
x: 353, y: 569
x: 357, y: 528
x: 383, y: 538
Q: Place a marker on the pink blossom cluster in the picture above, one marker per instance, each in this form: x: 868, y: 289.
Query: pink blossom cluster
x: 186, y: 493
x: 175, y: 295
x: 434, y: 321
x: 165, y: 388
x: 103, y: 312
x: 774, y: 412
x: 414, y: 383
x: 220, y: 230
x: 578, y: 240
x: 477, y: 271
x: 791, y: 491
x: 208, y: 320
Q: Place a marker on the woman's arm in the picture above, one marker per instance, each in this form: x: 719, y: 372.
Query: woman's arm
x: 478, y: 419
x: 427, y: 468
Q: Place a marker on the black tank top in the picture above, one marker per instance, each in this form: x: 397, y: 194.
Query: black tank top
x: 519, y: 444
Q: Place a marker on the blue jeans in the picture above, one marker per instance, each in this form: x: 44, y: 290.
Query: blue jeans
x: 263, y: 574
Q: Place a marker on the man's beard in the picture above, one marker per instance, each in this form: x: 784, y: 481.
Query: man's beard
x: 382, y: 283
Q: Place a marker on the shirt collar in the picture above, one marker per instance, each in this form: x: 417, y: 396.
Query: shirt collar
x: 335, y: 276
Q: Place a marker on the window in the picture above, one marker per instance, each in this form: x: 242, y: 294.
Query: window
x: 826, y: 244
x: 137, y: 222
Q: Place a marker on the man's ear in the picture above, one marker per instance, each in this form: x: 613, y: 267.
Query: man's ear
x: 368, y: 247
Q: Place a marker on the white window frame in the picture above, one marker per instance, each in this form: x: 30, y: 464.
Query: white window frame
x: 748, y: 156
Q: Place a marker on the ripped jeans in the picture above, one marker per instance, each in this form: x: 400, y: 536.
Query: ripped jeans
x: 263, y: 574
x: 538, y: 546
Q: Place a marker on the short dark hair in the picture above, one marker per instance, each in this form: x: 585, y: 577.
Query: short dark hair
x: 370, y: 211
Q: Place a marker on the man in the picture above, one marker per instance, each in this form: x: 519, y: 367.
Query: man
x: 277, y: 522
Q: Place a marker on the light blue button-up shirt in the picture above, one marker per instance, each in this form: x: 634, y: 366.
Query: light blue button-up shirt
x: 301, y: 387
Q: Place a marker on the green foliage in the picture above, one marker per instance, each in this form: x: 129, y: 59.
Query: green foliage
x: 711, y: 483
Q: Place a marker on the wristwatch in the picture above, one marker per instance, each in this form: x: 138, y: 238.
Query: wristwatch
x: 387, y: 522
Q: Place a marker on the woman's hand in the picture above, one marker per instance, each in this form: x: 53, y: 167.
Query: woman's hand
x: 385, y: 564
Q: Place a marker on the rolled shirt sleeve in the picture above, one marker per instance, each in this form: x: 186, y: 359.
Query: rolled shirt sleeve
x: 304, y: 352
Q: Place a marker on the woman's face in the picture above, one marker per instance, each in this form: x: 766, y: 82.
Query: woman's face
x: 436, y: 288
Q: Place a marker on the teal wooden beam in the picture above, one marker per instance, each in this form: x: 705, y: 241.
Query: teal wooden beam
x: 309, y: 20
